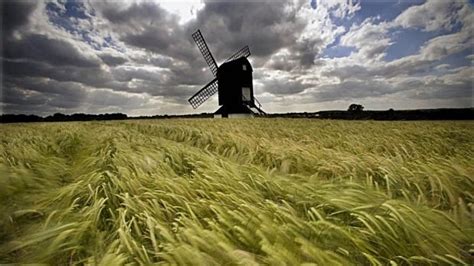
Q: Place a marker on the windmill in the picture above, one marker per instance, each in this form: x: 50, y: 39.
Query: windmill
x: 232, y: 81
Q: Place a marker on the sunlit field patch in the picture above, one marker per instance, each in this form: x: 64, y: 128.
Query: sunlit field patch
x: 225, y: 192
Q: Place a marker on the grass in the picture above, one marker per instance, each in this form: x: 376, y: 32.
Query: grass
x: 249, y: 192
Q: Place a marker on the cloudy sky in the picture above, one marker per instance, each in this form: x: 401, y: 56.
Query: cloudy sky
x: 138, y: 57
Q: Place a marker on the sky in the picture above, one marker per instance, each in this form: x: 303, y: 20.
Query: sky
x: 138, y: 57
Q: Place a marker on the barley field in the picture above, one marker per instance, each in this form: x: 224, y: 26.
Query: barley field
x: 237, y: 192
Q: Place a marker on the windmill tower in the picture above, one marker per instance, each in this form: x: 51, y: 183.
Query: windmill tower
x: 232, y: 81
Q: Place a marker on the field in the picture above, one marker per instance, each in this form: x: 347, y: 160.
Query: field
x: 226, y: 192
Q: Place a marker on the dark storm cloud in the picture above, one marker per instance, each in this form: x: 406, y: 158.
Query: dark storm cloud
x: 176, y: 93
x: 389, y: 70
x: 129, y: 73
x: 46, y: 96
x: 135, y: 13
x: 18, y: 96
x: 353, y: 90
x: 45, y: 49
x: 154, y: 60
x: 266, y: 26
x: 92, y: 76
x: 42, y: 93
x: 348, y: 72
x: 18, y: 99
x: 155, y: 83
x: 305, y: 51
x: 455, y: 85
x: 149, y: 27
x: 449, y: 86
x: 462, y: 90
x: 146, y: 25
x: 189, y: 75
x: 112, y: 60
x: 283, y: 86
x: 15, y: 14
x: 282, y: 63
x: 71, y: 90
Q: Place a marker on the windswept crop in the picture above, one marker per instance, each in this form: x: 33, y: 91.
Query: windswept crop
x: 226, y: 192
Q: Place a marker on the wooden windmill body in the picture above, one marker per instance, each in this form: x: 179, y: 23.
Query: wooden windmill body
x: 232, y: 81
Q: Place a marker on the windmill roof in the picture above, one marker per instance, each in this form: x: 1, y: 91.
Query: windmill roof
x: 239, y: 60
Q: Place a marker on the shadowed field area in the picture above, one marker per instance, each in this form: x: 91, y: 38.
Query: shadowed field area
x: 258, y: 191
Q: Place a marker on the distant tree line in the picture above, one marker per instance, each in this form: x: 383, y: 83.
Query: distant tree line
x: 58, y: 117
x: 421, y: 114
x: 354, y: 112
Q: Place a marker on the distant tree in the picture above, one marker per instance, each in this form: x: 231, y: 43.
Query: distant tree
x: 59, y: 117
x: 13, y: 118
x: 355, y: 108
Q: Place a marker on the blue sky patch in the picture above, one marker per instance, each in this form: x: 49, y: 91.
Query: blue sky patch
x: 75, y: 9
x: 336, y: 51
x: 458, y: 59
x: 407, y: 42
x: 387, y: 10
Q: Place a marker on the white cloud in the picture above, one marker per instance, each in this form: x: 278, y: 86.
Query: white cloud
x: 339, y: 8
x: 320, y: 31
x: 185, y: 9
x: 369, y: 38
x: 442, y: 67
x: 431, y: 16
x: 442, y: 46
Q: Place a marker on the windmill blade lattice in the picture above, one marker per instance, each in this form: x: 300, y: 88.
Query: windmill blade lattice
x: 201, y: 43
x: 205, y: 93
x: 245, y: 52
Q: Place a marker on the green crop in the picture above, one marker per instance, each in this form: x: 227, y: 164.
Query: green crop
x: 227, y: 192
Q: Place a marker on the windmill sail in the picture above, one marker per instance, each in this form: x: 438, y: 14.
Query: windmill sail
x: 201, y: 43
x: 205, y: 93
x: 244, y: 52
